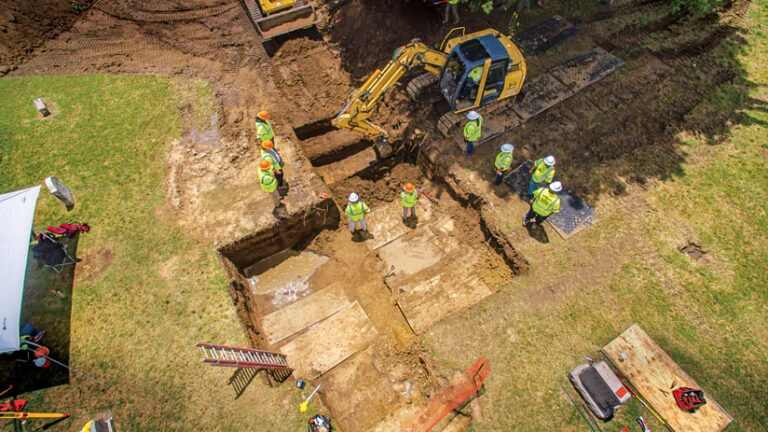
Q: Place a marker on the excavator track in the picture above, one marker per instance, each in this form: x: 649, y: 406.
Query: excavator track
x: 539, y: 94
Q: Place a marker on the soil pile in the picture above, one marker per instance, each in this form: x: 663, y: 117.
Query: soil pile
x: 25, y: 25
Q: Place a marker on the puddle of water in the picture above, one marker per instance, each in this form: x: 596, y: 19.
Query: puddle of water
x: 285, y: 273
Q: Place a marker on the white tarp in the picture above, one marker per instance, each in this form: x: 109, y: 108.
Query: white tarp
x: 17, y: 210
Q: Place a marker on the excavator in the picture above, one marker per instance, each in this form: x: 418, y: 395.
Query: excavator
x: 472, y: 70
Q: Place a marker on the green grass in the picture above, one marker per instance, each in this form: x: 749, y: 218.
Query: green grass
x: 710, y: 315
x: 135, y: 323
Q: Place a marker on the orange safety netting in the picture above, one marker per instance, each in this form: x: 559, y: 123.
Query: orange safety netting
x: 460, y: 389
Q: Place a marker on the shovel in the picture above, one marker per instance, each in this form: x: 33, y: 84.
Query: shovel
x: 305, y: 405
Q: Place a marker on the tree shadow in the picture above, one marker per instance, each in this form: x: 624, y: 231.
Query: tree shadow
x: 682, y: 77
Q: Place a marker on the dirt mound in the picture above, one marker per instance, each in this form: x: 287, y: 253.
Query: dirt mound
x: 309, y: 77
x: 24, y: 26
x: 369, y: 31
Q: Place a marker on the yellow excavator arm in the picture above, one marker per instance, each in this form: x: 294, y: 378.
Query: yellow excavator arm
x: 365, y: 99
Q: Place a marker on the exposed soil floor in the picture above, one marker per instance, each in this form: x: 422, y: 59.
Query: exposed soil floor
x: 616, y: 134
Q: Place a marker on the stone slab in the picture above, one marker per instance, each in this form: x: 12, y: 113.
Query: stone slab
x: 330, y: 342
x: 301, y: 314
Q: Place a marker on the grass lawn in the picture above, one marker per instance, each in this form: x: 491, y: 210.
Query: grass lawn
x: 710, y: 315
x: 147, y: 292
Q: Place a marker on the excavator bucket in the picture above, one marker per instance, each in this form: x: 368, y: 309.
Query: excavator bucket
x: 299, y: 17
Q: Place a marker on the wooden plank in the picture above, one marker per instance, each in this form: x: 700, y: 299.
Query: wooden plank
x: 652, y: 372
x: 330, y: 342
x: 297, y: 316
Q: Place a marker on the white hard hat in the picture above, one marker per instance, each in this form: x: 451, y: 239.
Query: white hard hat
x: 507, y: 148
x: 556, y: 186
x: 549, y: 160
x: 353, y: 197
x: 473, y: 115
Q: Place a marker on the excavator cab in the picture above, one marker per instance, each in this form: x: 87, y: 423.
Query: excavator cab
x: 481, y: 68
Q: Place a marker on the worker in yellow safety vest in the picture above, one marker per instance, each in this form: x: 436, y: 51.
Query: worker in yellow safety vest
x: 356, y: 211
x: 268, y: 182
x: 408, y: 198
x: 476, y: 74
x: 264, y: 129
x: 542, y: 173
x: 545, y: 202
x: 452, y: 7
x: 503, y: 162
x: 473, y: 130
x: 269, y: 153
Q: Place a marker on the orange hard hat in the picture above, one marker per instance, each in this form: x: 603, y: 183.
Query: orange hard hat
x: 263, y: 115
x: 265, y: 164
x: 409, y: 187
x: 269, y: 145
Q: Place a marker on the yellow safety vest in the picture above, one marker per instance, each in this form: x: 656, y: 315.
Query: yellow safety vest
x: 503, y: 161
x: 453, y: 1
x: 476, y: 74
x: 87, y: 427
x: 545, y: 202
x: 264, y: 130
x: 542, y: 173
x: 273, y: 158
x: 356, y: 211
x: 473, y: 130
x: 408, y: 200
x: 267, y: 181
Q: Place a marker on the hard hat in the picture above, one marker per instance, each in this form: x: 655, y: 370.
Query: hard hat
x: 473, y: 115
x: 263, y: 115
x: 549, y: 160
x: 269, y: 145
x: 507, y: 148
x: 265, y: 164
x: 409, y: 187
x: 556, y: 186
x: 353, y: 197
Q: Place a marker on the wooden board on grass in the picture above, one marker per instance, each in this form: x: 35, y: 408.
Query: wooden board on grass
x: 330, y: 342
x: 653, y: 372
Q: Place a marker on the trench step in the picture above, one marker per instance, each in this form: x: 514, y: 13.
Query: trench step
x: 333, y: 146
x: 345, y: 168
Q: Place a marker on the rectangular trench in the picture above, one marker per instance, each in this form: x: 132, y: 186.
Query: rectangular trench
x: 294, y: 232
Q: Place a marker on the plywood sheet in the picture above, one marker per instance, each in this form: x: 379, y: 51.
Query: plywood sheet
x: 650, y: 370
x: 425, y: 302
x: 297, y: 316
x: 330, y: 342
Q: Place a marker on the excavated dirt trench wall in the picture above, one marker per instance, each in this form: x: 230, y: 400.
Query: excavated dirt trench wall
x: 293, y: 232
